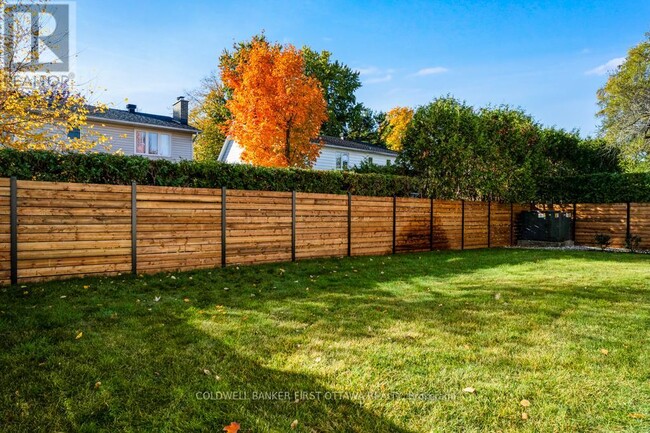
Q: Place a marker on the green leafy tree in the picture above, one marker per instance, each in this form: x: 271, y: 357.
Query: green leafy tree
x: 339, y: 82
x: 439, y: 146
x: 209, y: 114
x: 625, y: 107
x: 365, y: 125
x: 568, y: 154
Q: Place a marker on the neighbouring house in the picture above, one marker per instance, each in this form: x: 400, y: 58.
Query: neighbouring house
x: 336, y: 153
x: 151, y: 135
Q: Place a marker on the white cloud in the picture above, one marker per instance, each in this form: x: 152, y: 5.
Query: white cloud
x: 430, y: 71
x: 367, y: 71
x: 372, y: 74
x: 607, y: 67
x: 381, y: 79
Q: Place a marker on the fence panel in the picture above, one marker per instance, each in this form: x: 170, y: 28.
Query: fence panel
x: 67, y: 229
x: 447, y: 224
x: 640, y: 222
x: 372, y: 225
x: 178, y: 228
x: 476, y: 225
x: 321, y: 225
x: 413, y: 224
x: 258, y: 227
x: 592, y: 219
x: 499, y: 224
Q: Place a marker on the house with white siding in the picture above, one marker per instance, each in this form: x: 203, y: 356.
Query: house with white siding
x: 336, y: 153
x: 150, y: 135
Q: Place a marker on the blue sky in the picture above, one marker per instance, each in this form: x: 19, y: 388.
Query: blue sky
x: 548, y: 57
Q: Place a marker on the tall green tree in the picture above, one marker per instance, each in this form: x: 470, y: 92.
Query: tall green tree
x: 209, y: 114
x: 439, y: 146
x: 625, y: 107
x: 339, y: 83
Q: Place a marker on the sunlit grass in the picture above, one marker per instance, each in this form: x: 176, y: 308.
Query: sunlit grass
x: 567, y: 331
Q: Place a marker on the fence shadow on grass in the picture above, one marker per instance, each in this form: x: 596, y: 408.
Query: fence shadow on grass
x: 153, y: 357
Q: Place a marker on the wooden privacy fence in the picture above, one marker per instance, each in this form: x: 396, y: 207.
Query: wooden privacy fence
x: 618, y: 220
x: 54, y: 230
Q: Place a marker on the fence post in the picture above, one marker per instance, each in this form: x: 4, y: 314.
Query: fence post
x: 489, y: 224
x: 134, y: 228
x: 293, y: 226
x: 13, y: 221
x: 628, y: 231
x: 575, y: 220
x: 462, y: 225
x: 431, y: 226
x: 512, y: 225
x: 394, y: 223
x: 349, y: 224
x: 223, y: 226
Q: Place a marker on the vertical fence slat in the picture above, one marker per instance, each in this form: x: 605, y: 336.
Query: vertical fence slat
x: 489, y: 224
x: 628, y: 231
x: 134, y: 228
x: 349, y: 224
x: 512, y: 225
x: 462, y: 225
x: 394, y: 224
x: 13, y: 222
x: 223, y: 226
x: 293, y: 226
x: 431, y: 225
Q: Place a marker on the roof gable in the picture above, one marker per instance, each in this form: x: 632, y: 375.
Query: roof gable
x: 355, y: 145
x: 146, y: 119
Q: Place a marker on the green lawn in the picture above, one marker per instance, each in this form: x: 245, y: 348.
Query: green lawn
x: 382, y: 344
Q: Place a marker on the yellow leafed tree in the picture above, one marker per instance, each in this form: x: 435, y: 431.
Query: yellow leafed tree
x: 37, y: 110
x: 394, y: 127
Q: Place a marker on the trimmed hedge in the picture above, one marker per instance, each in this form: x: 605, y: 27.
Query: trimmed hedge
x: 596, y: 188
x: 105, y: 168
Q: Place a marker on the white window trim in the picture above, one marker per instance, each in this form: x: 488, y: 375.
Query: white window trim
x: 342, y: 154
x: 147, y: 131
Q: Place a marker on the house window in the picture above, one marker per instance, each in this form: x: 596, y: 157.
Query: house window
x: 74, y: 134
x: 342, y: 161
x: 152, y: 143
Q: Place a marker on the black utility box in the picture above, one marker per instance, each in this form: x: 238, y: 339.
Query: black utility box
x: 547, y: 226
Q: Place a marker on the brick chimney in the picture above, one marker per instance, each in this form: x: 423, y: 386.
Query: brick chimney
x: 181, y: 110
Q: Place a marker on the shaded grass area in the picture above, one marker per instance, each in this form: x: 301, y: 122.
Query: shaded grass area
x: 381, y: 344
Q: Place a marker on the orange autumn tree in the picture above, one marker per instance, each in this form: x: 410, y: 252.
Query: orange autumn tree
x: 276, y: 110
x: 394, y: 127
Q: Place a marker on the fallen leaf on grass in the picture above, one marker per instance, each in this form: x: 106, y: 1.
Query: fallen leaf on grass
x: 294, y: 424
x: 97, y: 384
x: 86, y: 287
x: 636, y: 415
x: 524, y: 415
x: 469, y: 389
x: 79, y: 335
x: 524, y: 403
x: 604, y: 351
x: 233, y: 427
x: 156, y: 299
x: 186, y: 299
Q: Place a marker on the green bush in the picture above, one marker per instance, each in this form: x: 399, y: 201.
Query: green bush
x: 122, y: 170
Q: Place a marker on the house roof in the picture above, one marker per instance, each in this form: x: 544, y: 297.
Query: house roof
x: 355, y: 145
x: 125, y: 116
